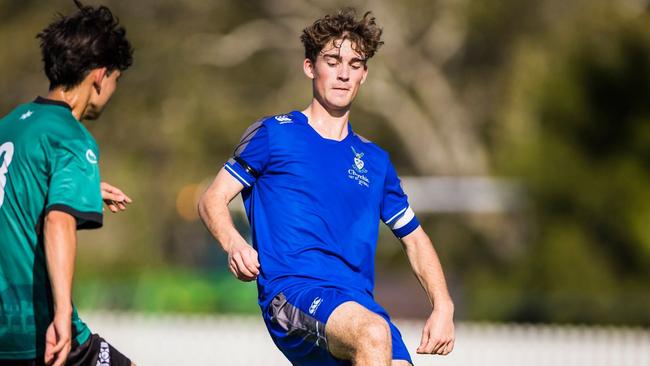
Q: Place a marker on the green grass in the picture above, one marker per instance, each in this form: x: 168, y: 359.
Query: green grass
x: 174, y: 290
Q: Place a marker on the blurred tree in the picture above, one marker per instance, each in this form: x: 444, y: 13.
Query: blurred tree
x: 577, y: 130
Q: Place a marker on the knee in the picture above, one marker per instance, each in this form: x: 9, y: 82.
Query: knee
x: 376, y: 333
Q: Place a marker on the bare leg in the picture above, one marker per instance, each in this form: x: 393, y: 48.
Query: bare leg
x: 400, y: 363
x: 357, y: 334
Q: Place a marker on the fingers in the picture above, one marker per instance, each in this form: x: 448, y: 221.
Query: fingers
x: 114, y: 198
x: 50, y: 342
x: 250, y: 259
x: 435, y: 345
x: 56, y: 353
x: 244, y: 264
x: 59, y: 346
x: 424, y: 341
x: 448, y: 348
x: 62, y: 357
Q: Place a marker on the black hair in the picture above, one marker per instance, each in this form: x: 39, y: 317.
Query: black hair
x: 74, y: 45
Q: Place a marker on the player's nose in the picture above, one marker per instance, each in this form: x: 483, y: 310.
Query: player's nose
x: 343, y: 73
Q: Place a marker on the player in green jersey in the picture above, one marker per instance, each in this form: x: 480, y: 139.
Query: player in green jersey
x: 50, y: 187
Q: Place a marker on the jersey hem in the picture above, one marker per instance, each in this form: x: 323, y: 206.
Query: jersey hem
x: 23, y: 355
x: 85, y: 220
x: 81, y: 338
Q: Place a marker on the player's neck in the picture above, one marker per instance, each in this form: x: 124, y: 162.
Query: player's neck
x: 77, y: 98
x: 331, y: 125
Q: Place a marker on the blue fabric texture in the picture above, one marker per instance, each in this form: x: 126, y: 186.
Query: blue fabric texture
x: 314, y: 204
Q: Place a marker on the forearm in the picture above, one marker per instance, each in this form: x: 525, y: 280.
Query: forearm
x: 216, y: 217
x: 427, y: 268
x: 213, y: 210
x: 60, y: 249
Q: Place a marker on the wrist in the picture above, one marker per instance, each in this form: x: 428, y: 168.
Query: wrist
x: 444, y: 304
x: 63, y: 310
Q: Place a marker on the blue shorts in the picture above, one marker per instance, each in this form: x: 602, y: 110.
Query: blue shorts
x: 296, y: 320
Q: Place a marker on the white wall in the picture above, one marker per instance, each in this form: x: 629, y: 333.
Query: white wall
x: 227, y: 340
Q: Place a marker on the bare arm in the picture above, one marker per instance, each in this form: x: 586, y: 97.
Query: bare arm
x: 213, y: 210
x: 438, y: 334
x: 60, y: 233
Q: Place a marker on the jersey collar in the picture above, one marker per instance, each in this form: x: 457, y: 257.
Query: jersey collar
x: 41, y: 100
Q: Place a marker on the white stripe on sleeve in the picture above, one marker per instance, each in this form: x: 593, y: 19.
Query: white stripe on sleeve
x: 405, y: 219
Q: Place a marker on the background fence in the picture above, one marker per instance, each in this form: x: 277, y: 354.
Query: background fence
x: 231, y: 340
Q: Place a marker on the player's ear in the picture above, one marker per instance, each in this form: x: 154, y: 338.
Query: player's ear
x: 98, y: 76
x: 308, y: 68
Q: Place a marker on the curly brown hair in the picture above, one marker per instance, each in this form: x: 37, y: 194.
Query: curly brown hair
x: 364, y: 33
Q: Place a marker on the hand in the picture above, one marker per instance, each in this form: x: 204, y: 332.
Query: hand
x: 438, y: 334
x: 243, y: 262
x: 58, y: 340
x: 114, y: 198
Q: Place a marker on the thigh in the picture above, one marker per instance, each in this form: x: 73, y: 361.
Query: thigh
x: 400, y: 352
x: 348, y: 326
x: 96, y: 352
x: 400, y: 363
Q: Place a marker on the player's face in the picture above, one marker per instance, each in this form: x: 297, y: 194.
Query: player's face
x: 336, y: 75
x: 99, y: 97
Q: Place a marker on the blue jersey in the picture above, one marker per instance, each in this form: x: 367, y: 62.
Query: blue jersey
x: 314, y: 204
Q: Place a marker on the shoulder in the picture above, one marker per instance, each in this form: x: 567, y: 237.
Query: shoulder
x: 63, y: 133
x: 371, y: 147
x: 272, y: 124
x: 58, y: 124
x: 285, y: 119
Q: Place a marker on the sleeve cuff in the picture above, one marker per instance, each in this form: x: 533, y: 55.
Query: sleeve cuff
x: 85, y: 220
x: 407, y: 229
x: 239, y: 172
x: 403, y: 222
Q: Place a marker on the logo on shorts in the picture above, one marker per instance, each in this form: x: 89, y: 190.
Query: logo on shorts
x: 91, y: 157
x: 314, y: 305
x: 104, y: 358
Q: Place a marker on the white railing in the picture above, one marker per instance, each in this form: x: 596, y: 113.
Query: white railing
x: 235, y: 340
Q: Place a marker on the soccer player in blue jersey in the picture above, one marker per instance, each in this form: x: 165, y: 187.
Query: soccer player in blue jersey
x: 314, y: 192
x: 50, y: 188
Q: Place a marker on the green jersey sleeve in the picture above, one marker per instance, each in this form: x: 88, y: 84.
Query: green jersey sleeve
x: 74, y: 185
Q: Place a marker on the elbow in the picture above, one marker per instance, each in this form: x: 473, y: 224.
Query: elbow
x: 202, y: 207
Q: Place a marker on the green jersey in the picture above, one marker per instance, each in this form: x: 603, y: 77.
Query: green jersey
x: 48, y: 161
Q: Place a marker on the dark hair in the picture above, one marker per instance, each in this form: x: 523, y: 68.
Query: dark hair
x: 364, y: 33
x: 74, y: 45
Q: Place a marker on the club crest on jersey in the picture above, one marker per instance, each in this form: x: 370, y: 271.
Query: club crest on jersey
x: 358, y: 163
x: 357, y: 173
